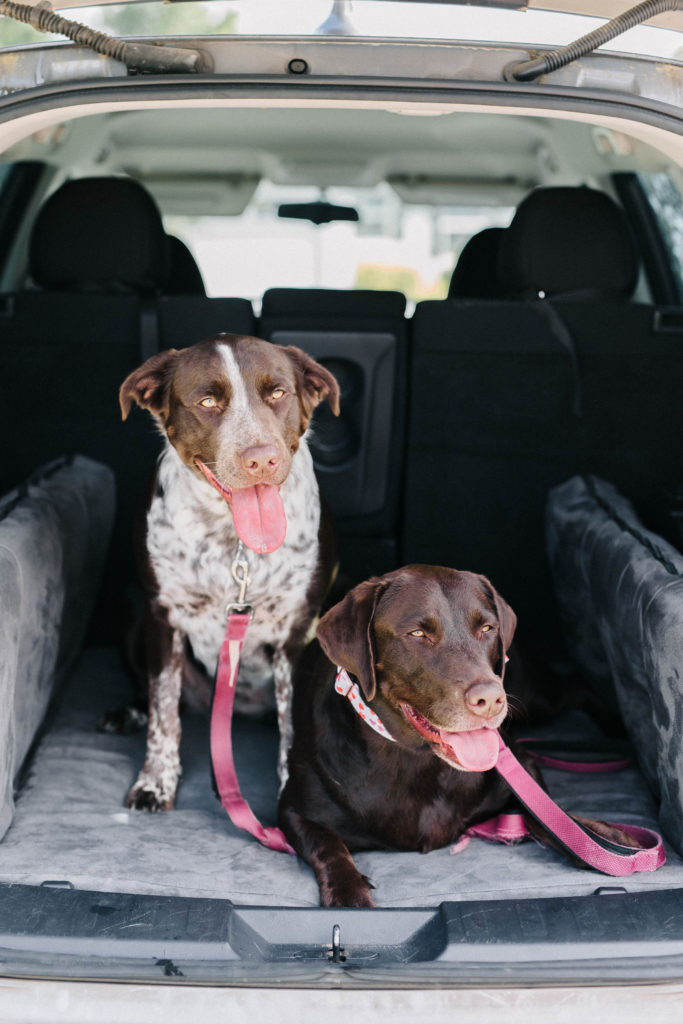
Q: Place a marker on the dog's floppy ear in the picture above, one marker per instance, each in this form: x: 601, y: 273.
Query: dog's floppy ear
x: 507, y: 624
x: 345, y: 633
x: 315, y: 382
x: 148, y: 385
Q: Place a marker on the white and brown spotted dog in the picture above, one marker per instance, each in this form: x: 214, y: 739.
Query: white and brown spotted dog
x: 234, y: 411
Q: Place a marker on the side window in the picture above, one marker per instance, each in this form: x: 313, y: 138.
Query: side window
x: 666, y: 204
x: 18, y: 183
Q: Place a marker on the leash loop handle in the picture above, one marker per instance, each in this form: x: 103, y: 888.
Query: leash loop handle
x: 611, y: 858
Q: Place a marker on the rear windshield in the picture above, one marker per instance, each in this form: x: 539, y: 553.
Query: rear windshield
x: 370, y: 18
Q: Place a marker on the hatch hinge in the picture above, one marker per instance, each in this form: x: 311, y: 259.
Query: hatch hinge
x: 144, y: 58
x: 528, y: 70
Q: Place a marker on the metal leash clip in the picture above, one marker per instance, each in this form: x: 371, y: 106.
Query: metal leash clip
x: 239, y: 570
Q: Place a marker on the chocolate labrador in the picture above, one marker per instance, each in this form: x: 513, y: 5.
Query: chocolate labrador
x: 406, y: 762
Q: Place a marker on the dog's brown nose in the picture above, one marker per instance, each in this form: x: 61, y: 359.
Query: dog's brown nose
x: 486, y: 699
x: 262, y: 460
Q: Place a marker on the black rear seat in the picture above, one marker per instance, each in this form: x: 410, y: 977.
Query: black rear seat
x: 476, y: 275
x: 99, y: 260
x: 98, y: 256
x: 186, y: 314
x: 361, y: 337
x: 491, y: 428
x: 513, y: 397
x: 184, y: 276
x: 629, y: 353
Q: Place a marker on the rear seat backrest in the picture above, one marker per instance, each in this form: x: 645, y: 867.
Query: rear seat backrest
x: 98, y: 255
x: 575, y: 246
x: 186, y: 314
x: 568, y: 241
x: 476, y: 273
x: 361, y: 337
x: 184, y: 276
x: 492, y: 427
x: 186, y: 319
x: 495, y: 421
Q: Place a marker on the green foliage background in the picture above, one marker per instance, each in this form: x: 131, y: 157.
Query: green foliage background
x: 134, y: 19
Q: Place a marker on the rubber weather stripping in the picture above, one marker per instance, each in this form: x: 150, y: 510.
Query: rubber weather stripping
x: 145, y: 58
x: 528, y: 70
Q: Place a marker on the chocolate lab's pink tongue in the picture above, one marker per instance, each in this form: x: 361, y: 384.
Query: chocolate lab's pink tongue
x: 477, y: 751
x: 259, y: 517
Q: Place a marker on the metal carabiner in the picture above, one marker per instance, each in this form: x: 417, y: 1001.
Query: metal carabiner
x: 239, y: 570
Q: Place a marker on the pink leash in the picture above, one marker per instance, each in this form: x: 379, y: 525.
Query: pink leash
x: 599, y: 853
x: 222, y: 759
x: 617, y: 763
x: 239, y: 811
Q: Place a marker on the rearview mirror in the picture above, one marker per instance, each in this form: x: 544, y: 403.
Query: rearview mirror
x: 318, y: 212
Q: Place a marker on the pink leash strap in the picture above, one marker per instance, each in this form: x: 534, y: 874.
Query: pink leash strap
x: 535, y: 748
x: 231, y: 798
x: 610, y: 858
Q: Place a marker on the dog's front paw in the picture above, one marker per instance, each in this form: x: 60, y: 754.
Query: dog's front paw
x: 351, y: 891
x: 150, y: 795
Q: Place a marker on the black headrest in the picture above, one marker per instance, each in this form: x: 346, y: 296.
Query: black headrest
x: 564, y: 240
x: 184, y: 276
x: 476, y: 272
x: 101, y: 233
x: 332, y: 302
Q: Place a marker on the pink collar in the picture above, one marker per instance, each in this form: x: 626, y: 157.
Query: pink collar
x: 344, y: 685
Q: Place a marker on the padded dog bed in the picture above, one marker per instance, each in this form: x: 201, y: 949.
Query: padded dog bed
x: 54, y: 531
x: 620, y: 592
x: 70, y: 822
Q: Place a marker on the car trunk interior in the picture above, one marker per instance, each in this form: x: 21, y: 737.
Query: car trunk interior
x: 531, y: 439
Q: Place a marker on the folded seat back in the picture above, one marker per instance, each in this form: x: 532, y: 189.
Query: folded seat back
x: 619, y: 589
x: 54, y: 532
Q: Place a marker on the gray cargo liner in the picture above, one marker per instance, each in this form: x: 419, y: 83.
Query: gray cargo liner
x: 71, y: 825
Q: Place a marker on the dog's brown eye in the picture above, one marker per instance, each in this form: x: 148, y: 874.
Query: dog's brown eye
x: 486, y: 629
x: 278, y: 393
x: 209, y: 402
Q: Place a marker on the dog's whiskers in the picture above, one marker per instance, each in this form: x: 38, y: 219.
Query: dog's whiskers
x: 516, y: 707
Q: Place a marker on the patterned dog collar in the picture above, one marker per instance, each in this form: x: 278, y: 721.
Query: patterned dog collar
x: 344, y: 685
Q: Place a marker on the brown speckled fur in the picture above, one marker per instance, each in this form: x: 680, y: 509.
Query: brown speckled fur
x: 190, y: 540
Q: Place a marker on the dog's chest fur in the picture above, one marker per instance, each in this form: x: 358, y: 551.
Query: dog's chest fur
x: 192, y: 543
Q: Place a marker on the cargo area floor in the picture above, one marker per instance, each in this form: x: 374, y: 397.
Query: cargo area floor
x: 71, y: 824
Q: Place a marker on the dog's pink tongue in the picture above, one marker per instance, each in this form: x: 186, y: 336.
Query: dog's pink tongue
x: 259, y: 517
x: 477, y: 750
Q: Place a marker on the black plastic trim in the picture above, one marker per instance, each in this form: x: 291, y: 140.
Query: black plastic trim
x: 610, y: 937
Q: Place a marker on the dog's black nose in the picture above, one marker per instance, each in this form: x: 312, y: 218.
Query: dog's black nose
x: 485, y: 698
x: 261, y: 460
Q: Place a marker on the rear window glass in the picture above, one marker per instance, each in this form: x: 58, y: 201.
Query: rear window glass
x: 5, y: 171
x: 407, y: 247
x: 506, y: 21
x: 666, y: 201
